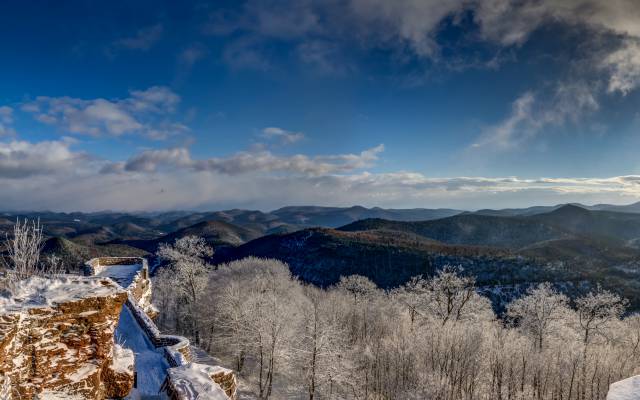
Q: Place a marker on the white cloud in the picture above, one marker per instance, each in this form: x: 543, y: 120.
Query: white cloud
x: 51, y: 175
x: 323, y: 57
x: 21, y: 159
x: 246, y: 162
x: 624, y: 66
x: 275, y: 19
x: 144, y: 39
x: 411, y: 22
x: 192, y: 54
x: 143, y: 112
x: 411, y: 27
x: 188, y: 189
x: 153, y: 160
x: 511, y: 22
x: 513, y: 128
x: 284, y: 136
x: 569, y: 102
x: 6, y: 120
x: 246, y: 53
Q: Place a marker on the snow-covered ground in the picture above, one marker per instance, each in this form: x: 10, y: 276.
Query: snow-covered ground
x: 150, y: 364
x: 122, y: 274
x: 40, y: 292
x: 626, y: 389
x: 193, y: 381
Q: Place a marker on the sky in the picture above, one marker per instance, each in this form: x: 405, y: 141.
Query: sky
x: 469, y: 104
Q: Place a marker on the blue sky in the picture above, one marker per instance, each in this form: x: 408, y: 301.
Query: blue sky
x: 260, y: 104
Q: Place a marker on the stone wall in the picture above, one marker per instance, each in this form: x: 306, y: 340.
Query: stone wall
x: 138, y: 286
x: 96, y: 265
x: 176, y: 348
x: 56, y: 336
x: 195, y: 381
x: 179, y: 385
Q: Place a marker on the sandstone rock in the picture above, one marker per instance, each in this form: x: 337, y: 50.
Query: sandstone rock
x: 56, y: 336
x: 118, y: 376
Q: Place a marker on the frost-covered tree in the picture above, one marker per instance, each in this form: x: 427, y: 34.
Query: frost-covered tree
x: 165, y: 299
x: 434, y: 338
x: 187, y: 259
x: 414, y: 295
x: 540, y: 313
x: 257, y: 308
x: 274, y: 309
x: 24, y: 248
x: 596, y: 311
x: 322, y: 342
x: 453, y: 297
x: 358, y: 286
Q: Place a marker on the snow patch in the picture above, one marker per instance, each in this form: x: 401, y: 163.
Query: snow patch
x: 123, y: 274
x: 48, y: 395
x: 194, y: 381
x: 626, y: 389
x: 150, y: 363
x: 42, y: 292
x: 123, y: 359
x: 83, y: 372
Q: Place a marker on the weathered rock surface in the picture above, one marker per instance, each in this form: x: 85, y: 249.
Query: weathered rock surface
x: 56, y: 336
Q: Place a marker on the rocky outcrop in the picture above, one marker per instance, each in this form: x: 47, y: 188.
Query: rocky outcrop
x: 186, y: 380
x: 56, y: 336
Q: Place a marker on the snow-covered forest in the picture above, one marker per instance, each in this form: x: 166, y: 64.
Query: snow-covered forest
x: 433, y: 338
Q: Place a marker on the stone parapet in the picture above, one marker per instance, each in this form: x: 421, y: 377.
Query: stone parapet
x: 186, y: 380
x: 200, y: 381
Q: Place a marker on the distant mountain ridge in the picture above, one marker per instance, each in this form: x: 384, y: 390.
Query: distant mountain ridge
x: 507, y: 228
x: 566, y: 222
x: 569, y: 245
x: 563, y: 243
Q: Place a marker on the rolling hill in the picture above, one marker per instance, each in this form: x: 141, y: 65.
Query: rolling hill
x: 571, y: 246
x: 514, y: 232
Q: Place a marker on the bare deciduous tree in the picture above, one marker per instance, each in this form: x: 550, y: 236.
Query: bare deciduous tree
x: 187, y: 259
x: 433, y: 339
x: 454, y: 297
x: 24, y: 249
x: 322, y: 342
x: 596, y: 311
x: 540, y: 312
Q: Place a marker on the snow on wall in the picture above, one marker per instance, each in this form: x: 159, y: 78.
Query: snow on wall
x: 150, y: 362
x: 132, y: 273
x: 202, y: 382
x: 5, y: 388
x: 56, y: 336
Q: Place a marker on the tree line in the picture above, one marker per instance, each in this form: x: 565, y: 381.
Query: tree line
x: 433, y: 338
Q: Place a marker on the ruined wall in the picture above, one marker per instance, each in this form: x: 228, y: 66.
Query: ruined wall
x: 56, y: 336
x: 186, y: 380
x: 138, y: 284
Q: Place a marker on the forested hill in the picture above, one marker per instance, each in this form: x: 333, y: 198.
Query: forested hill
x: 566, y: 243
x: 569, y: 245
